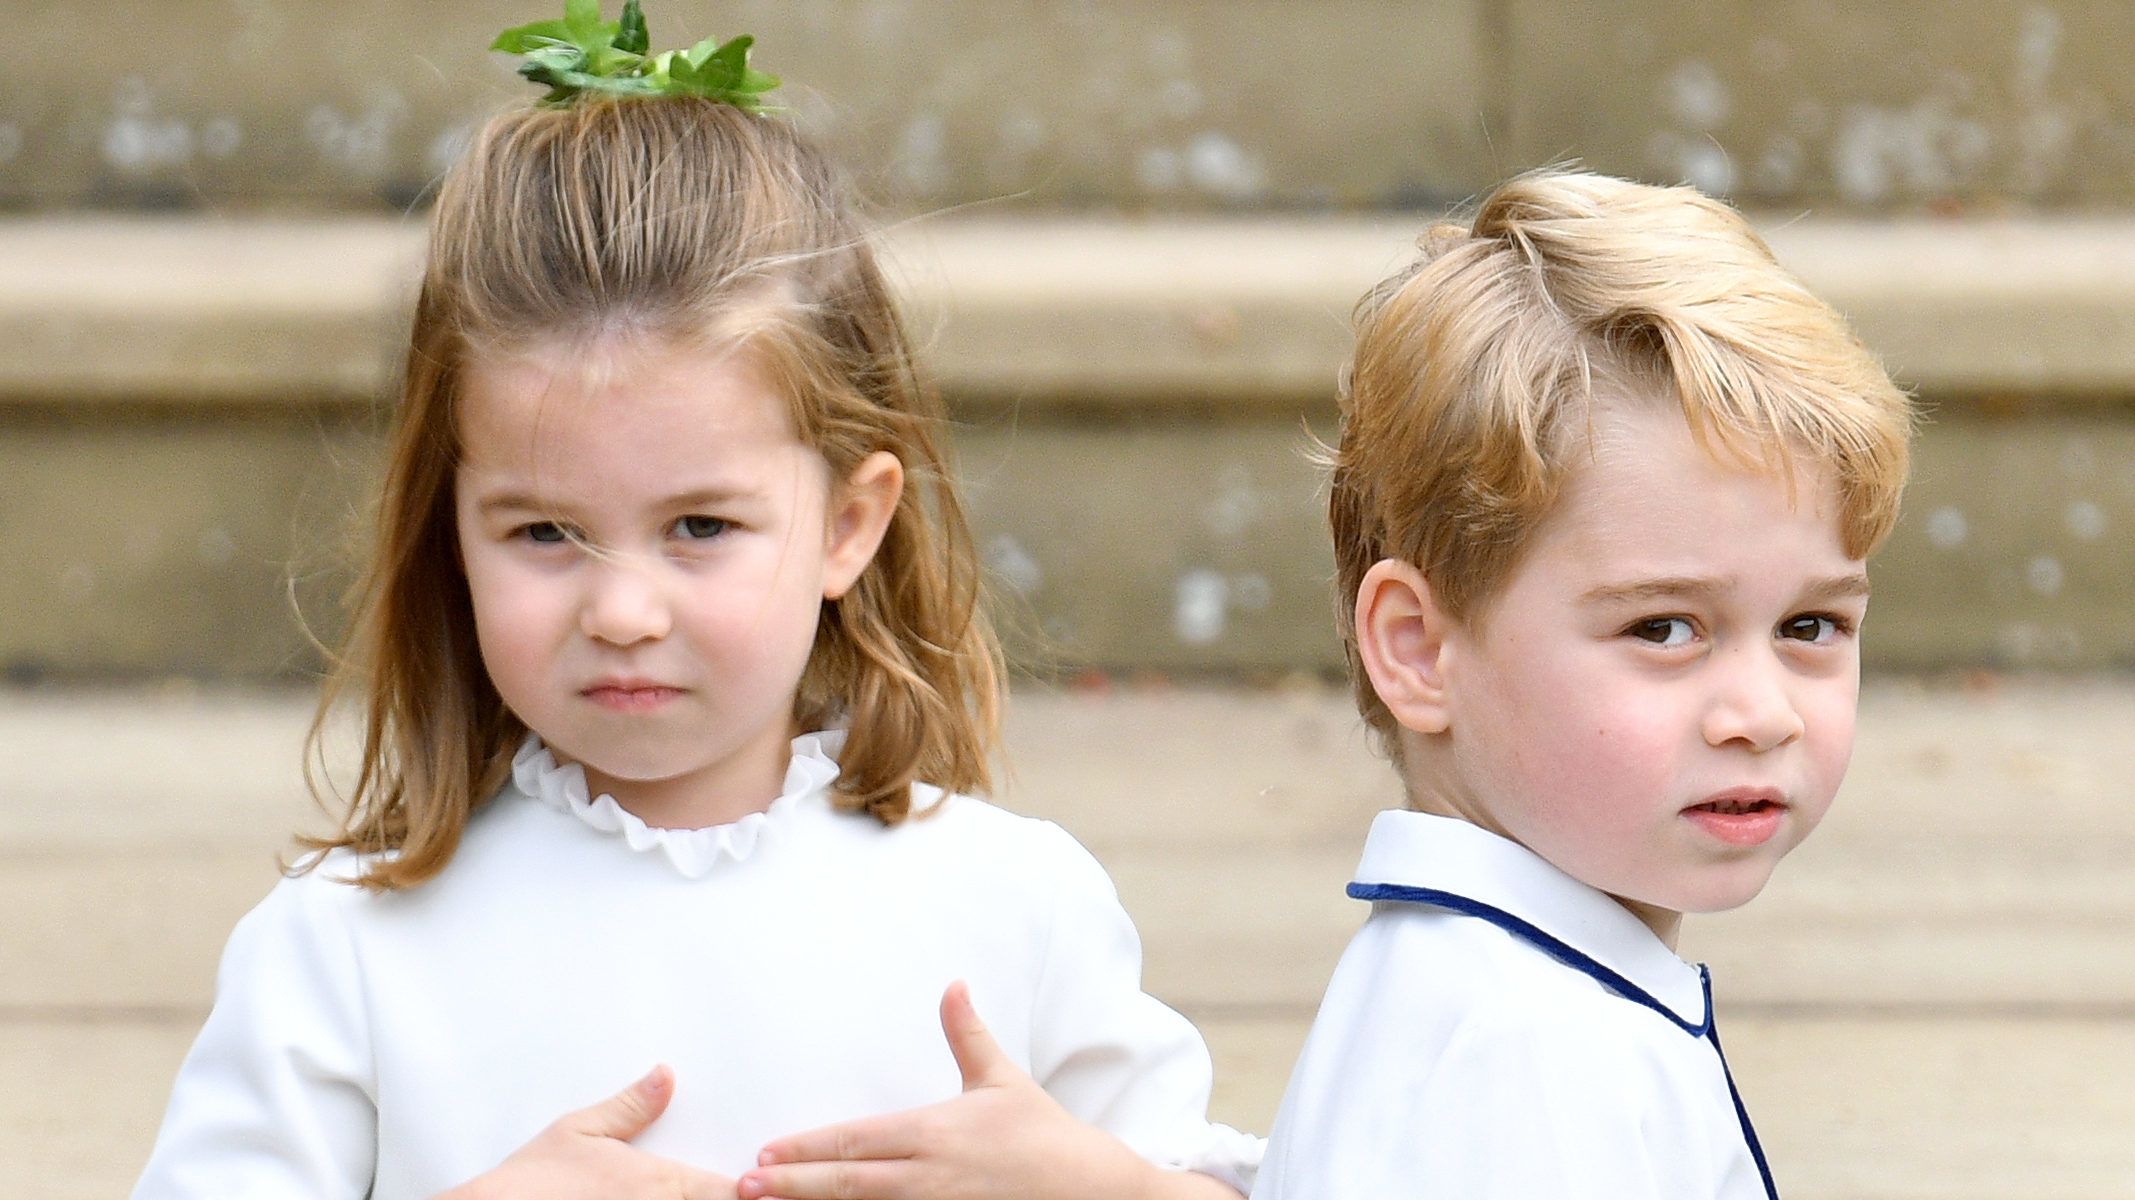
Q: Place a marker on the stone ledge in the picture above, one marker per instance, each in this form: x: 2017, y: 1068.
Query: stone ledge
x: 146, y: 542
x: 1158, y: 313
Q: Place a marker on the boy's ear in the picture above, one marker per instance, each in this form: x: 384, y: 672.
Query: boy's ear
x: 861, y: 508
x: 1401, y: 638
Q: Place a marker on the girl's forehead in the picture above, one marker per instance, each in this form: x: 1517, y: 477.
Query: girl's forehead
x: 628, y: 429
x: 654, y: 395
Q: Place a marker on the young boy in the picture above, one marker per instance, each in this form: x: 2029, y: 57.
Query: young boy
x: 1606, y: 482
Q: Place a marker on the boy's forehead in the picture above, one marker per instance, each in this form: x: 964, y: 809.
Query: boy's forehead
x: 1627, y: 447
x: 1642, y: 493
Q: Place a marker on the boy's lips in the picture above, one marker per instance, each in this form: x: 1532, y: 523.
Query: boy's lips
x: 1740, y: 816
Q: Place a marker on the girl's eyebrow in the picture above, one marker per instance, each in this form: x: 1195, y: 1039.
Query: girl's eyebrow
x: 712, y: 496
x: 510, y: 502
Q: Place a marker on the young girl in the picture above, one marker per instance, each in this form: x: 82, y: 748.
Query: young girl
x: 672, y: 678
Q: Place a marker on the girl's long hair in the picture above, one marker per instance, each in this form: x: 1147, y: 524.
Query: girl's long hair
x: 681, y: 219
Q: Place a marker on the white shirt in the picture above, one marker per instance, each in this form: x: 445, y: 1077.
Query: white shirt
x: 789, y: 966
x: 1499, y: 1029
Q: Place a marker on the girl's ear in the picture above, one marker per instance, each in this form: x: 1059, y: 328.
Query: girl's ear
x: 861, y: 508
x: 1401, y: 639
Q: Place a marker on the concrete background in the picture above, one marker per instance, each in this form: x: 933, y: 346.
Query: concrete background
x: 1132, y: 234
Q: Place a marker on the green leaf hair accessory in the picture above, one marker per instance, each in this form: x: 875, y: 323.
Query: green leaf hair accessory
x: 582, y: 53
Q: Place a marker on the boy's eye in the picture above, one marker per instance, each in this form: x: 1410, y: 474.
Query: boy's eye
x: 699, y: 527
x: 1811, y: 627
x: 1663, y: 631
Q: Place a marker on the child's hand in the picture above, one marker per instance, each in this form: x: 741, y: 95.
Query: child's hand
x: 586, y: 1155
x: 1004, y: 1137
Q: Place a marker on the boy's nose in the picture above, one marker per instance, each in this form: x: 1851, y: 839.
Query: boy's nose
x: 624, y: 605
x: 1752, y: 706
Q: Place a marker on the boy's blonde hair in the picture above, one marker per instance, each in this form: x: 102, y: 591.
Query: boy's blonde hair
x: 682, y: 219
x: 1476, y: 367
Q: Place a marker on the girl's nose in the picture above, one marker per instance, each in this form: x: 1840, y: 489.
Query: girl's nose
x: 624, y: 605
x: 1752, y: 707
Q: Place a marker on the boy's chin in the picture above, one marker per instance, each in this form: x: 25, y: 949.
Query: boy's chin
x: 1721, y: 894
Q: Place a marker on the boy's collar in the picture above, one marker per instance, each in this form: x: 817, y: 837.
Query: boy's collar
x: 1450, y: 864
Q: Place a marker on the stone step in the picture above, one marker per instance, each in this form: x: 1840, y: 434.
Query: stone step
x: 1233, y: 312
x: 1932, y: 1002
x: 1977, y: 859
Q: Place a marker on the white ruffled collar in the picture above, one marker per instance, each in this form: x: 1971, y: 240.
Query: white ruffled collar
x: 694, y: 852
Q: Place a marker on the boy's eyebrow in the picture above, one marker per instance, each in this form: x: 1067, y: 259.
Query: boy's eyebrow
x: 1850, y: 586
x: 1658, y: 588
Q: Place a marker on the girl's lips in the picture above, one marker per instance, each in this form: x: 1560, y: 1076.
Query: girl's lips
x: 631, y: 697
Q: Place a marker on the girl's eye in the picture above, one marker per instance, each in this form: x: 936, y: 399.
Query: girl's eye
x: 548, y: 533
x: 1812, y: 627
x: 699, y: 527
x: 1663, y: 631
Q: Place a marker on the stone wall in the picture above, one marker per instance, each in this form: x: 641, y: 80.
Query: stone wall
x: 1900, y: 105
x: 187, y: 427
x: 188, y: 397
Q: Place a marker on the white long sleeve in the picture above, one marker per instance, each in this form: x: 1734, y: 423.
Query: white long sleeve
x: 1114, y: 1055
x: 788, y: 967
x: 276, y: 1099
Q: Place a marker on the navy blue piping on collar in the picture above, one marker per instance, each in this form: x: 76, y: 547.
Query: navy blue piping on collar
x: 1586, y: 965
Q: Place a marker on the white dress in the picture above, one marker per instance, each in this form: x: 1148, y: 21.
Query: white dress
x: 1498, y: 1030
x: 788, y: 966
